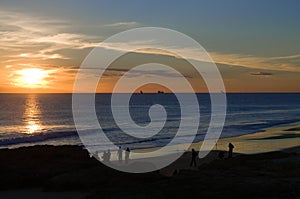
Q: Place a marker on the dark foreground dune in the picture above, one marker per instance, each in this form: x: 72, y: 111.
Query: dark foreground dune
x: 64, y: 169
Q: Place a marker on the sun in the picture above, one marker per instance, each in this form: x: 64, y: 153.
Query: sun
x: 32, y: 78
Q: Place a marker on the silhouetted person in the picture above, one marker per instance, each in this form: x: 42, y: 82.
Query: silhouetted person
x: 120, y: 154
x: 105, y: 157
x: 221, y: 154
x: 230, y: 146
x: 194, y: 156
x: 127, y: 153
x: 108, y: 154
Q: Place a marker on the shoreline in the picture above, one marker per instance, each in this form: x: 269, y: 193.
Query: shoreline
x: 258, y: 142
x: 252, y: 143
x: 264, y: 141
x: 69, y: 172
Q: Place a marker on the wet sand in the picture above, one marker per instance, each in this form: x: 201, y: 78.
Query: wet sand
x: 269, y: 139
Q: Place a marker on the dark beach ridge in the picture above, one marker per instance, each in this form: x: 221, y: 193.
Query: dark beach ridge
x: 46, y: 170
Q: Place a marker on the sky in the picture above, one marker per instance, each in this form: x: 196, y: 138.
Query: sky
x: 255, y: 44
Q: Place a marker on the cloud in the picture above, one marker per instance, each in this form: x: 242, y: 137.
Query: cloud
x: 129, y: 24
x: 289, y: 63
x: 65, y: 41
x: 155, y: 71
x: 41, y: 56
x: 19, y: 30
x: 261, y: 73
x: 23, y: 36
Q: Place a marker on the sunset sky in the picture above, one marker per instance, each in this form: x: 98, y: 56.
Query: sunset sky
x: 255, y: 44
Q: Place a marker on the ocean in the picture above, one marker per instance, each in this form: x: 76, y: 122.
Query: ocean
x: 40, y: 119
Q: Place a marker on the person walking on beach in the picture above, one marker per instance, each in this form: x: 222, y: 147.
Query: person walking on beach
x: 194, y: 156
x: 230, y: 146
x: 120, y: 154
x: 108, y: 155
x: 127, y: 153
x: 105, y: 157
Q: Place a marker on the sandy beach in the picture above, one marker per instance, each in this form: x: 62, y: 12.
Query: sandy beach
x: 270, y: 139
x: 267, y: 140
x: 69, y: 172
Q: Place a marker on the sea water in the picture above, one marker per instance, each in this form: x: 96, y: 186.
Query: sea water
x: 37, y: 119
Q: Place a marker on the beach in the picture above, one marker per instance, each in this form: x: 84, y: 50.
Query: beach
x: 70, y: 172
x: 149, y: 99
x: 267, y: 140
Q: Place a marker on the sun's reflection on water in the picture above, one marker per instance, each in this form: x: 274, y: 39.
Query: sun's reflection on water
x: 32, y: 115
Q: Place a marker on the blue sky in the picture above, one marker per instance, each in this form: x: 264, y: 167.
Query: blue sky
x: 227, y: 26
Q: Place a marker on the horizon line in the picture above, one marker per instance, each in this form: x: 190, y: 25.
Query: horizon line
x: 265, y: 92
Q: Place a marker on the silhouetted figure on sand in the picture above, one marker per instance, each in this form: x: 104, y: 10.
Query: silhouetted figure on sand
x: 120, y: 154
x: 127, y: 153
x: 230, y: 146
x: 106, y: 156
x: 194, y: 156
